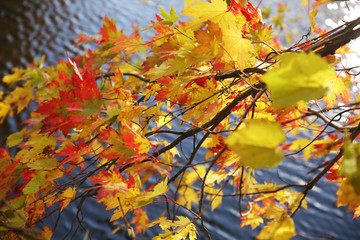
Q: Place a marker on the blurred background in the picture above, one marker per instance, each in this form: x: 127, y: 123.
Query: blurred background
x: 32, y: 28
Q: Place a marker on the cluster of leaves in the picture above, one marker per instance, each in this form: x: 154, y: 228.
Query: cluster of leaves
x: 111, y: 122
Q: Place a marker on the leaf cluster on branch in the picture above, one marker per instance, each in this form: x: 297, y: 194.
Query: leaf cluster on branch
x: 177, y: 119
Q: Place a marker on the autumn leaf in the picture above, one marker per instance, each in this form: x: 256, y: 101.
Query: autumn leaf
x: 128, y: 44
x: 282, y: 229
x: 35, y: 183
x: 347, y: 195
x: 216, y: 11
x: 12, y: 78
x: 110, y: 182
x: 184, y: 228
x: 73, y: 152
x: 350, y: 165
x: 256, y: 143
x: 43, y: 164
x: 170, y: 19
x: 140, y: 220
x: 312, y: 19
x: 4, y: 110
x: 301, y: 77
x: 148, y: 197
x: 14, y: 139
x: 236, y: 47
x: 67, y: 195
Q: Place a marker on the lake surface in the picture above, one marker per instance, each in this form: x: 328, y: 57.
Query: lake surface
x: 32, y: 28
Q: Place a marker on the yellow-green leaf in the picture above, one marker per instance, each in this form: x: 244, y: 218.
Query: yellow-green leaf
x: 35, y: 183
x: 14, y: 139
x: 171, y: 18
x: 43, y: 163
x: 350, y: 165
x: 256, y: 143
x: 301, y: 77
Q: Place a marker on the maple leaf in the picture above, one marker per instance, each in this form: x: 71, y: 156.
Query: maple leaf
x: 312, y: 20
x: 111, y: 182
x: 183, y: 228
x: 309, y: 75
x: 141, y: 220
x: 68, y: 195
x: 254, y: 218
x: 170, y: 19
x: 35, y: 183
x: 128, y: 44
x: 9, y: 174
x: 347, y: 195
x: 74, y: 152
x: 109, y: 30
x: 337, y: 90
x: 350, y: 165
x: 237, y: 49
x: 216, y: 11
x: 4, y: 110
x: 256, y: 143
x: 282, y: 229
x: 22, y: 97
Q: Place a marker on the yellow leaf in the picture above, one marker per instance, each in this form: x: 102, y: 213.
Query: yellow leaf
x: 43, y: 163
x: 148, y: 197
x: 180, y: 229
x: 216, y: 11
x: 338, y: 89
x: 304, y: 2
x: 256, y: 143
x: 236, y: 48
x: 216, y: 202
x: 4, y: 109
x: 274, y: 212
x: 299, y: 144
x: 300, y: 77
x: 347, y: 195
x: 283, y: 229
x: 12, y: 78
x: 312, y: 20
x: 69, y: 193
x: 252, y: 218
x: 188, y: 197
x: 14, y: 139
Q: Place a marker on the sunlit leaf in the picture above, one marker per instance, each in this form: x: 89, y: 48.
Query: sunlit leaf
x: 282, y: 229
x: 301, y: 77
x: 256, y: 143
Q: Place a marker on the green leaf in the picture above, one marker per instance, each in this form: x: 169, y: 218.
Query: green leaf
x: 300, y: 77
x: 35, y: 183
x: 256, y: 143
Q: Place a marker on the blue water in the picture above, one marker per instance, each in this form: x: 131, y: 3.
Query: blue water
x: 32, y: 28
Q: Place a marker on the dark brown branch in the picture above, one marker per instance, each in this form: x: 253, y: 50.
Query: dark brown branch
x: 343, y: 35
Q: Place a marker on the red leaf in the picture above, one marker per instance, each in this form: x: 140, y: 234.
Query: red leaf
x: 162, y: 94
